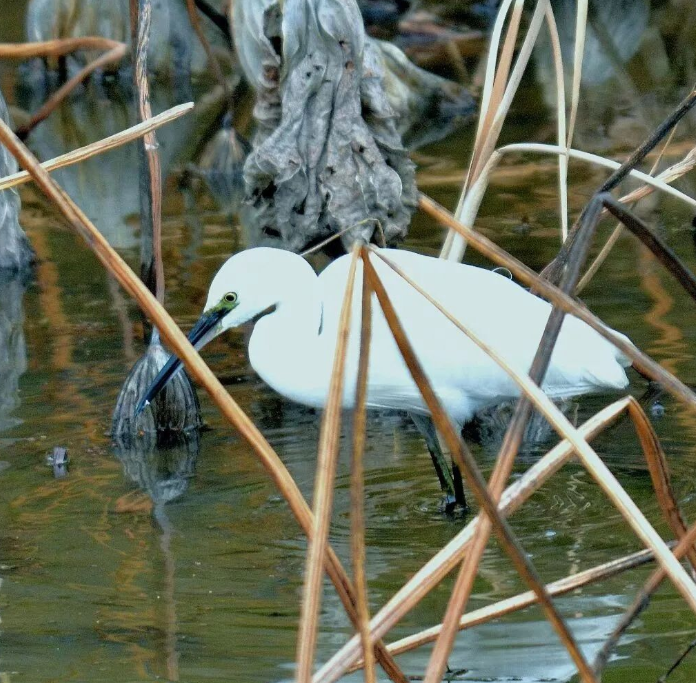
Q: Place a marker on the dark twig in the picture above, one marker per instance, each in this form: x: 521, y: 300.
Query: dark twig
x: 689, y: 648
x: 220, y: 20
x: 151, y: 266
x: 212, y: 58
x: 659, y: 249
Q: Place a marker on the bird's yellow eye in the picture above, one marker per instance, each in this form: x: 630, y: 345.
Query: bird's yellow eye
x: 230, y: 297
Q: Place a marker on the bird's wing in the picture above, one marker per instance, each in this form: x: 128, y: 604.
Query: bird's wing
x: 501, y: 313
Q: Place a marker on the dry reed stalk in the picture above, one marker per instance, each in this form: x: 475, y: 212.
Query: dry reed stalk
x: 198, y: 369
x: 488, y: 102
x: 466, y: 463
x: 521, y: 601
x: 669, y: 175
x: 115, y: 54
x: 496, y: 76
x: 641, y: 602
x: 578, y: 55
x: 101, y: 146
x: 55, y: 48
x: 641, y: 361
x: 560, y: 120
x: 468, y: 211
x: 659, y: 473
x: 357, y: 484
x: 532, y: 392
x: 484, y: 145
x: 327, y: 456
x: 654, y: 182
x: 448, y: 557
x: 151, y: 265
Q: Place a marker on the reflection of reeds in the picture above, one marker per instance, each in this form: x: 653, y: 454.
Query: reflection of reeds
x: 114, y: 52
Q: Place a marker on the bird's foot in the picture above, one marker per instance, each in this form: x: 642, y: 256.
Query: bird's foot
x: 451, y: 506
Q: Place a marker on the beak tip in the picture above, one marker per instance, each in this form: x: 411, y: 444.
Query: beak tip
x: 144, y: 403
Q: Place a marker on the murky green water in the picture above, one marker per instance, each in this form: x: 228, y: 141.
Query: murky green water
x: 99, y: 584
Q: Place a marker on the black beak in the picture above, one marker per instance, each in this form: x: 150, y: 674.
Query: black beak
x: 197, y: 335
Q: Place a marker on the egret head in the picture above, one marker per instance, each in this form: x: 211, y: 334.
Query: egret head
x: 249, y: 285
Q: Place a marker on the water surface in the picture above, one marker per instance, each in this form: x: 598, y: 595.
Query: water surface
x: 101, y: 583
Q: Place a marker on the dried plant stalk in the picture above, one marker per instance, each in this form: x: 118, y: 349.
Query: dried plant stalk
x: 560, y: 121
x: 448, y: 557
x: 55, y: 48
x: 454, y: 246
x: 465, y: 460
x: 521, y: 601
x: 357, y: 484
x: 659, y: 473
x: 654, y: 182
x: 323, y: 490
x: 101, y: 146
x: 578, y: 54
x: 199, y: 370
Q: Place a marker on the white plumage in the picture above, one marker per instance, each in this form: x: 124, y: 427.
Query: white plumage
x: 297, y: 314
x: 292, y: 348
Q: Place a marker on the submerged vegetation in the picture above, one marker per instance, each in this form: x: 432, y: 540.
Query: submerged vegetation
x: 321, y: 125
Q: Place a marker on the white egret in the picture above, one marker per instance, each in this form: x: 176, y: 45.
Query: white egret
x: 296, y: 317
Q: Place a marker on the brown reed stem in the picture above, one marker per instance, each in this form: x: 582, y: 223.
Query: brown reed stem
x: 323, y: 489
x: 659, y: 473
x: 521, y: 601
x: 101, y: 146
x: 199, y: 370
x: 467, y: 465
x: 55, y: 48
x: 357, y: 484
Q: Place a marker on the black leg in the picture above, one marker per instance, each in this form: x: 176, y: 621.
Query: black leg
x: 447, y: 482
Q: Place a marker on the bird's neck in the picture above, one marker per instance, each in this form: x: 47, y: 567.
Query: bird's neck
x: 282, y: 348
